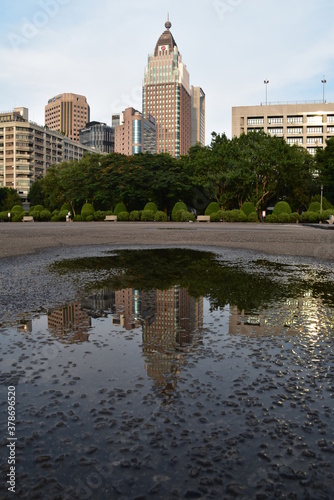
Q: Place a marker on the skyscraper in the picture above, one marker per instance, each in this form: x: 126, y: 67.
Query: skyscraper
x: 167, y: 96
x: 67, y: 113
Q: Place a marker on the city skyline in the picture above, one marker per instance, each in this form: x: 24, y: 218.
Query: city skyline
x: 230, y: 48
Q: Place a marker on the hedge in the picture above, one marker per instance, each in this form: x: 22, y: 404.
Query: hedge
x: 120, y: 207
x: 147, y: 215
x: 160, y: 216
x: 123, y: 216
x: 282, y: 207
x: 248, y: 208
x: 151, y: 206
x: 87, y: 210
x: 177, y: 207
x: 212, y: 208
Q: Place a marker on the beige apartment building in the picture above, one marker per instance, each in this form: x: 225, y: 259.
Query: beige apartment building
x: 67, y: 113
x: 135, y: 134
x: 28, y: 149
x: 305, y: 124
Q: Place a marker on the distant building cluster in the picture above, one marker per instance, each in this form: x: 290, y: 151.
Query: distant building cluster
x: 171, y: 121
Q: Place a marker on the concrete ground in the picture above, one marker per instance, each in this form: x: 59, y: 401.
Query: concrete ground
x: 274, y: 239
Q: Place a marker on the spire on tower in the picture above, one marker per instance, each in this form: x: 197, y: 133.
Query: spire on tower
x: 168, y: 24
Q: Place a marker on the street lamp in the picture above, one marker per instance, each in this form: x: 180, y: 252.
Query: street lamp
x: 323, y: 81
x: 266, y: 84
x: 321, y: 193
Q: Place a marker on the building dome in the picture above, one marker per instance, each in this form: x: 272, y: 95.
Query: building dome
x: 165, y: 40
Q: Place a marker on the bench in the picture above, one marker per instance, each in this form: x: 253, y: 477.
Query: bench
x: 203, y: 218
x: 112, y: 218
x: 330, y: 220
x: 28, y: 218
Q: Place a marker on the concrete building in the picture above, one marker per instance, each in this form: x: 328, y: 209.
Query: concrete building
x: 197, y: 116
x: 167, y: 96
x: 67, y: 113
x: 99, y: 136
x: 305, y: 124
x: 135, y: 134
x: 28, y: 149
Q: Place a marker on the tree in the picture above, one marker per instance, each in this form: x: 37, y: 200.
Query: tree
x: 8, y: 198
x: 324, y: 163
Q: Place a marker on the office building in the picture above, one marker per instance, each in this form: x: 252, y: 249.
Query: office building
x: 67, y: 113
x: 167, y: 96
x: 99, y: 136
x: 28, y: 149
x: 135, y: 134
x: 197, y: 116
x: 305, y: 124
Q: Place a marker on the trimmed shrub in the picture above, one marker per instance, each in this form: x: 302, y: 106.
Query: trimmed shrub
x: 283, y: 218
x: 55, y: 212
x: 17, y: 209
x: 252, y: 217
x: 89, y: 218
x: 177, y: 207
x: 4, y: 216
x: 294, y: 217
x: 216, y: 217
x: 134, y: 215
x: 235, y: 216
x: 326, y: 205
x: 147, y: 215
x: 212, y: 208
x: 67, y: 207
x: 160, y: 216
x: 151, y: 206
x: 17, y: 217
x: 314, y: 207
x: 60, y: 217
x: 99, y: 215
x: 45, y: 215
x: 282, y: 207
x: 248, y: 208
x: 123, y: 216
x: 184, y: 216
x: 87, y: 210
x: 36, y: 208
x: 326, y: 214
x: 310, y: 217
x: 120, y: 207
x: 272, y: 218
x: 77, y: 218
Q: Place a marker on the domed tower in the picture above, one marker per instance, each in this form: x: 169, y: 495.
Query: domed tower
x: 167, y: 96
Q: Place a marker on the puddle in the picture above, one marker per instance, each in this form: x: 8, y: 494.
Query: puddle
x: 173, y: 373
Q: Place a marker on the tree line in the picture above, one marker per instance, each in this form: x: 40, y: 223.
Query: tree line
x: 256, y: 168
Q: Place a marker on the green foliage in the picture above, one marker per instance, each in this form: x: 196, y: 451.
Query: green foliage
x: 271, y: 218
x: 36, y: 209
x: 123, y: 216
x: 8, y: 198
x: 283, y: 218
x: 16, y: 209
x: 212, y: 208
x: 310, y: 217
x: 87, y: 210
x: 120, y: 207
x: 252, y: 217
x: 160, y: 216
x: 177, y: 207
x: 147, y: 215
x: 99, y: 215
x: 17, y: 217
x: 184, y: 216
x: 314, y: 206
x: 282, y: 207
x: 216, y: 217
x: 234, y: 216
x: 151, y: 206
x: 66, y: 206
x: 89, y: 218
x: 36, y: 193
x: 326, y: 205
x: 294, y: 217
x: 77, y: 218
x: 326, y: 214
x: 135, y: 215
x: 248, y: 208
x: 4, y: 216
x: 45, y: 215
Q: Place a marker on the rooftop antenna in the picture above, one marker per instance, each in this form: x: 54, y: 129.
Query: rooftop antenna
x: 168, y: 24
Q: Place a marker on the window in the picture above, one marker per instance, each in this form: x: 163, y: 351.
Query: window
x: 255, y: 120
x: 295, y: 119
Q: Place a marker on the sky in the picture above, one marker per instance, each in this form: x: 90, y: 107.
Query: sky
x: 99, y: 49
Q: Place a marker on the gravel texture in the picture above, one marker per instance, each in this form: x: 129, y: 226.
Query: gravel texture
x: 293, y: 240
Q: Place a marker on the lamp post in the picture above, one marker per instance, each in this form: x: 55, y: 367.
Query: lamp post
x: 266, y: 84
x: 321, y: 193
x: 323, y: 81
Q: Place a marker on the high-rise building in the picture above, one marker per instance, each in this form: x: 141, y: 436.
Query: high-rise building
x: 135, y: 134
x: 167, y: 96
x: 304, y: 124
x: 197, y: 116
x: 67, y: 113
x: 28, y: 149
x: 99, y: 136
